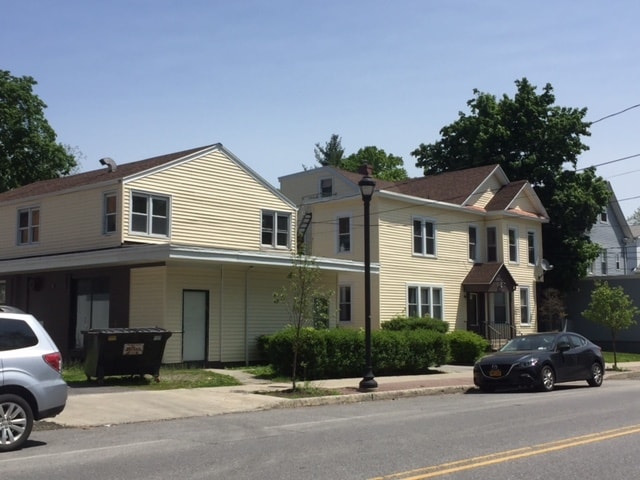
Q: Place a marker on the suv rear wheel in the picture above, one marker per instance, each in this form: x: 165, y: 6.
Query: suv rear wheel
x: 16, y: 422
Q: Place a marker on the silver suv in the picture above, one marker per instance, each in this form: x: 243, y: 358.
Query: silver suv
x: 31, y: 384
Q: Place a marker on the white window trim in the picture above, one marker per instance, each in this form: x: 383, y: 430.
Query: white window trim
x: 350, y: 287
x: 320, y: 192
x: 105, y: 216
x: 535, y: 247
x: 30, y: 226
x: 528, y: 320
x: 478, y: 243
x: 517, y: 244
x: 423, y: 237
x: 274, y: 239
x: 420, y: 287
x: 149, y: 196
x: 495, y: 245
x: 350, y: 218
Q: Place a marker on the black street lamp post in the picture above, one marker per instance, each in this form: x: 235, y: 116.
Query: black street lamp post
x: 367, y: 186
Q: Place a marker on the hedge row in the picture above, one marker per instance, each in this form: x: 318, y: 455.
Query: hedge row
x: 340, y: 353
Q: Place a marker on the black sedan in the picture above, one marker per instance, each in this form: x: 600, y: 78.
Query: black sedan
x: 541, y: 360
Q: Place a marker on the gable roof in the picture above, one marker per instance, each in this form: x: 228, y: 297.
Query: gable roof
x: 449, y: 187
x: 486, y: 277
x: 126, y: 171
x: 47, y: 187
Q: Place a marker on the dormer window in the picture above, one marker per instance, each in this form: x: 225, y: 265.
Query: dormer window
x: 326, y: 187
x: 110, y: 213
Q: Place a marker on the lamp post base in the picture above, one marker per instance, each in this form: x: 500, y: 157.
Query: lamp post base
x: 368, y: 382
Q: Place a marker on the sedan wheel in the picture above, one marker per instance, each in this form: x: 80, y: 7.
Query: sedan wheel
x: 597, y: 375
x: 547, y: 379
x: 16, y: 422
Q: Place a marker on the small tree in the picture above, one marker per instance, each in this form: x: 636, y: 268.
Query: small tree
x: 613, y: 308
x: 551, y: 310
x: 301, y: 295
x: 332, y: 153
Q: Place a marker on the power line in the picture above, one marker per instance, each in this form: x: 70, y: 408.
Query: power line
x: 610, y: 161
x: 615, y: 114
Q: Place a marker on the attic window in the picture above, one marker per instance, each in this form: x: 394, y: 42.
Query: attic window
x: 326, y: 187
x: 603, y: 217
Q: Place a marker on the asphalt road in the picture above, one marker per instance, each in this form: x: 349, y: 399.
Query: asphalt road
x: 575, y: 432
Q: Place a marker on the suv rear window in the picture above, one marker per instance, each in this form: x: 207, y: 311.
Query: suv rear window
x: 16, y: 334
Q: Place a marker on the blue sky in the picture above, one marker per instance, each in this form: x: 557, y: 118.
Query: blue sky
x: 270, y: 79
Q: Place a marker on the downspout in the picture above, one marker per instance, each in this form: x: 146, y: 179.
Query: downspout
x: 246, y: 315
x: 221, y: 316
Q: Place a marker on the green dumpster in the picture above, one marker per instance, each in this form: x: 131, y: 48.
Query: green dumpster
x: 124, y: 351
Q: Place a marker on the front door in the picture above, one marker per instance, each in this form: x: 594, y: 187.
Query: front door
x: 195, y: 316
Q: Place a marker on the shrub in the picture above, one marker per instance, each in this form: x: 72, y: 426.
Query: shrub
x: 466, y: 347
x: 339, y: 353
x: 415, y: 323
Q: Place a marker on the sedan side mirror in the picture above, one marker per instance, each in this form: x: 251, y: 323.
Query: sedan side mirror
x: 564, y: 346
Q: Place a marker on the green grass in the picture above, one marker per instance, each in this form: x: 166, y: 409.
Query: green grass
x: 621, y: 357
x: 171, y: 377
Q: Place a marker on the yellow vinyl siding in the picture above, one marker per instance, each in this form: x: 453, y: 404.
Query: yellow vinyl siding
x: 400, y: 268
x: 485, y: 193
x: 68, y: 221
x: 148, y: 307
x: 213, y: 202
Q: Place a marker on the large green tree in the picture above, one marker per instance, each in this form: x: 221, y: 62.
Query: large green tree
x: 28, y: 148
x: 535, y: 140
x: 385, y: 165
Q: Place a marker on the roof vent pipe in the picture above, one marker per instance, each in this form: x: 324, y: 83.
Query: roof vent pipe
x: 109, y: 162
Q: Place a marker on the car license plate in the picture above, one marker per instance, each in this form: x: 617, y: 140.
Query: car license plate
x: 495, y: 373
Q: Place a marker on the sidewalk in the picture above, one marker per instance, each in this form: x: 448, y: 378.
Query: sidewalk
x: 100, y: 406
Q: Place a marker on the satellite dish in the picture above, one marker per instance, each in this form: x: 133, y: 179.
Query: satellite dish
x: 546, y: 266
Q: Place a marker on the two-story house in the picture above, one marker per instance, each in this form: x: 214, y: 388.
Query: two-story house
x: 461, y: 246
x: 195, y: 242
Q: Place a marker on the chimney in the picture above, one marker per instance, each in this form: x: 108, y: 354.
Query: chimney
x: 366, y: 170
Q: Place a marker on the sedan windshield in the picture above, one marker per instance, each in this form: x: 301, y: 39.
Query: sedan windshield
x: 529, y: 342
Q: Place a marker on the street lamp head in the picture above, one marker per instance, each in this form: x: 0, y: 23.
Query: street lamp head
x: 367, y: 186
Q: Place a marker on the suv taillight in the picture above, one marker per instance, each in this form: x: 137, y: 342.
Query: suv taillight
x: 54, y: 360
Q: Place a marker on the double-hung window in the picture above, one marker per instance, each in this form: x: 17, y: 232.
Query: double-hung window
x: 345, y: 303
x: 150, y: 214
x: 275, y: 229
x: 326, y: 187
x: 492, y: 244
x: 531, y: 247
x: 513, y: 245
x: 525, y: 316
x: 424, y: 237
x: 110, y: 213
x: 603, y: 262
x: 28, y: 226
x: 344, y: 234
x: 473, y: 243
x: 424, y: 301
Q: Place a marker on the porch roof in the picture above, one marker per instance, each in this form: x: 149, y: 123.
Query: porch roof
x: 159, y: 254
x: 489, y: 277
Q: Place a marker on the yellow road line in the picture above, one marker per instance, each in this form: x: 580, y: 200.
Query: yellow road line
x: 508, y: 455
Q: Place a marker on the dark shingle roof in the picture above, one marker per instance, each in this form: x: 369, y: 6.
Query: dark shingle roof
x: 503, y: 197
x: 47, y: 187
x: 450, y: 187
